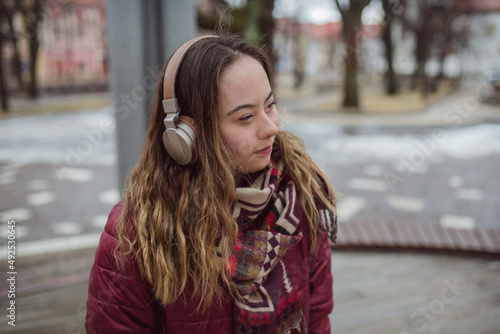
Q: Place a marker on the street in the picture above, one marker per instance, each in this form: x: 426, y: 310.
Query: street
x: 402, y: 174
x: 58, y: 175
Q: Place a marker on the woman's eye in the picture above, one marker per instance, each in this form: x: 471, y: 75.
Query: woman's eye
x: 271, y: 105
x: 246, y: 117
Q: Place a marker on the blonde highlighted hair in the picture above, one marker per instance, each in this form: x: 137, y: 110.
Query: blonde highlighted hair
x: 175, y: 216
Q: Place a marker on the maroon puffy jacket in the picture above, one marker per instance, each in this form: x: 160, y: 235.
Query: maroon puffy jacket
x: 122, y: 302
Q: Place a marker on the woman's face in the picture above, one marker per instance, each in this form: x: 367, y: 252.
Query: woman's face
x: 248, y: 118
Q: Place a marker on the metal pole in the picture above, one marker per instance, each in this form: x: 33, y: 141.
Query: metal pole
x: 142, y: 35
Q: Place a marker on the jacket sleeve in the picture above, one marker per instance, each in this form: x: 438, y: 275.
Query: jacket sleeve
x: 321, y: 288
x: 118, y: 301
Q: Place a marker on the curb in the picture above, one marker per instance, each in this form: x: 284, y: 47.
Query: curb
x: 418, y: 237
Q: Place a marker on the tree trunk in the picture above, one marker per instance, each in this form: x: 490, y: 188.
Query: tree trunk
x: 424, y: 34
x: 259, y: 25
x: 447, y: 38
x: 33, y: 52
x: 390, y: 75
x: 351, y: 96
x: 3, y: 88
x: 352, y: 26
x: 32, y: 17
x: 266, y: 26
x: 300, y: 58
x: 17, y: 57
x: 251, y: 28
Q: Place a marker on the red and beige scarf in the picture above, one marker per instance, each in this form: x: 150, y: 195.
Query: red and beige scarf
x: 268, y: 213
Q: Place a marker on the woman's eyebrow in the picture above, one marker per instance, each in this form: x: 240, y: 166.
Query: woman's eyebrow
x: 269, y: 96
x: 248, y: 105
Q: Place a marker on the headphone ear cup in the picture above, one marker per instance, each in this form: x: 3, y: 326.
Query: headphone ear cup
x: 187, y: 120
x: 180, y: 142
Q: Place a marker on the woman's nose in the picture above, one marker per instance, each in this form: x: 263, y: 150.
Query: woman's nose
x: 269, y: 125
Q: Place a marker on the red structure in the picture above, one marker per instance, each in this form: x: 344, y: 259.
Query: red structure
x: 73, y: 52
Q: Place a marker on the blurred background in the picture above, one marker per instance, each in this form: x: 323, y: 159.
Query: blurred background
x: 397, y: 100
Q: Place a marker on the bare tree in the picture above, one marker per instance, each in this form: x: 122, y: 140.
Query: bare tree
x: 3, y: 37
x: 259, y: 25
x: 352, y: 27
x: 32, y: 14
x: 299, y: 54
x: 9, y: 9
x: 3, y: 88
x: 389, y: 16
x: 254, y: 22
x: 436, y: 36
x: 221, y: 17
x: 451, y: 37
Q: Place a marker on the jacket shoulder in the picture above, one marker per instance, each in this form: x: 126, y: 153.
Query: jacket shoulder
x: 105, y: 257
x: 118, y: 295
x: 113, y: 219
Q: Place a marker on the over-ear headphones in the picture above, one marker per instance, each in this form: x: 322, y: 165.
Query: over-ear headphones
x: 179, y: 137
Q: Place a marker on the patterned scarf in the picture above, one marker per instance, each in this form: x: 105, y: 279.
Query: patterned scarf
x: 268, y: 214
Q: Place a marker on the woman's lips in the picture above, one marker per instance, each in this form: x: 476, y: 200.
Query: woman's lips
x: 265, y: 151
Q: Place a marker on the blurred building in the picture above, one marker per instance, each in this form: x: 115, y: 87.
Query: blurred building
x: 318, y: 50
x: 73, y: 51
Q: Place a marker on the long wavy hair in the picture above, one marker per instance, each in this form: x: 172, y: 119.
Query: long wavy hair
x: 176, y: 222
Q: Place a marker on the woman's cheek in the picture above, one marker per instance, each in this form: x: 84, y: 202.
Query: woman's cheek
x: 276, y: 118
x: 241, y: 148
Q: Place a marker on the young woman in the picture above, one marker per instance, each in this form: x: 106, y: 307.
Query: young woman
x: 224, y: 225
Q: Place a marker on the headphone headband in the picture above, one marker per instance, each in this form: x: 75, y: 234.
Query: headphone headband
x: 179, y: 137
x: 170, y: 104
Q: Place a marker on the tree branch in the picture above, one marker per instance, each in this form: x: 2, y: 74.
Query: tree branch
x: 342, y: 11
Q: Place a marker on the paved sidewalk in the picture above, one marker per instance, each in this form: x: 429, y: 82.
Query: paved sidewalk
x: 56, y: 103
x: 375, y: 293
x: 447, y: 108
